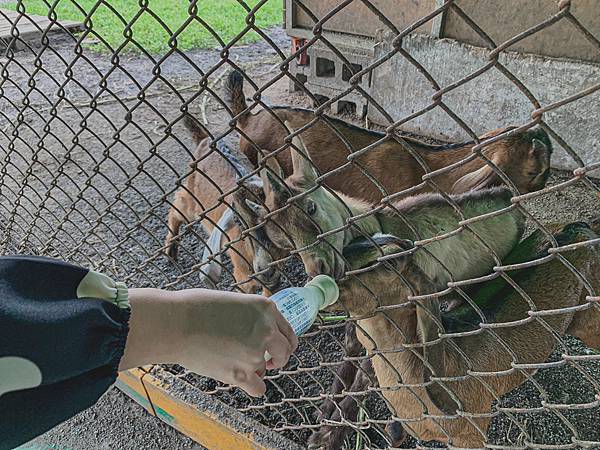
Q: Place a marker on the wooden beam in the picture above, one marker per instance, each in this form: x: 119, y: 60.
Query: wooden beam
x: 195, y: 418
x: 290, y: 13
x: 30, y: 27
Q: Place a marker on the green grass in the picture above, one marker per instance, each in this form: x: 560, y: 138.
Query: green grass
x: 226, y: 17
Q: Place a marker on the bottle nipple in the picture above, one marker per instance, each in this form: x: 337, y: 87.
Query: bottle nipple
x: 329, y: 288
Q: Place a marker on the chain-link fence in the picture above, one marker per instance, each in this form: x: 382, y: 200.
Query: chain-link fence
x: 466, y: 296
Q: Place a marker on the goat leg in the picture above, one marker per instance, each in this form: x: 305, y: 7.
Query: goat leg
x: 330, y: 437
x: 171, y: 241
x: 178, y: 215
x: 345, y: 374
x: 397, y: 433
x: 348, y: 377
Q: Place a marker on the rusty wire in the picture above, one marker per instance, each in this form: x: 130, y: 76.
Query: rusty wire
x: 92, y: 158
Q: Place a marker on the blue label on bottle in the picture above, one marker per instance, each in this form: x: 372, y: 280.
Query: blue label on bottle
x: 295, y: 309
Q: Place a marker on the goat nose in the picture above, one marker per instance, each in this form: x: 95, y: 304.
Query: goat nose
x: 269, y: 272
x: 321, y: 267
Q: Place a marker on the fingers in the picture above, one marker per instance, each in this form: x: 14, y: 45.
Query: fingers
x: 280, y: 350
x: 261, y: 372
x: 251, y: 382
x: 286, y: 329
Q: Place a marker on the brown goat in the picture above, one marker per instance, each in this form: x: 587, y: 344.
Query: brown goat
x: 524, y: 157
x: 585, y: 325
x: 321, y: 211
x: 410, y: 351
x: 215, y: 172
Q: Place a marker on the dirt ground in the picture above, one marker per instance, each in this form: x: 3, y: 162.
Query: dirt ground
x: 92, y: 165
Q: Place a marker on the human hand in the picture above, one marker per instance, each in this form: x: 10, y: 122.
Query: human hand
x: 222, y: 335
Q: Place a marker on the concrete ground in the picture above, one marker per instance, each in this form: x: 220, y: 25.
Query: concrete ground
x: 115, y: 422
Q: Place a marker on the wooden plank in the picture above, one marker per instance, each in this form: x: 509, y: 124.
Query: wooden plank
x: 14, y: 15
x: 31, y: 27
x: 290, y: 11
x: 198, y: 423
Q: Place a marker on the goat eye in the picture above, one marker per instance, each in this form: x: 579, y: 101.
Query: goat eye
x: 311, y: 208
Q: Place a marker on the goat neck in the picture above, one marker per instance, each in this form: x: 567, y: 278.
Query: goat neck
x: 348, y: 207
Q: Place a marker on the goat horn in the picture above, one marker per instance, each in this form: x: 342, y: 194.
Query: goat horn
x: 254, y: 207
x: 538, y: 146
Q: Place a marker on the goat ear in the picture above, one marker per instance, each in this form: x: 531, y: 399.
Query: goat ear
x: 254, y: 208
x: 484, y: 177
x: 495, y: 132
x: 301, y: 161
x: 211, y: 274
x: 538, y: 147
x: 540, y: 151
x: 272, y: 177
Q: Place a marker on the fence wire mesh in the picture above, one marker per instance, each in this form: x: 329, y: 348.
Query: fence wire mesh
x: 129, y: 162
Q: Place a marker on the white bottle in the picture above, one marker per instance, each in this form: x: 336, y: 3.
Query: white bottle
x: 300, y: 305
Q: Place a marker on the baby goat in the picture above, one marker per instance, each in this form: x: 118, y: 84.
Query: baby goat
x: 411, y: 342
x: 523, y: 156
x: 585, y: 323
x: 215, y: 172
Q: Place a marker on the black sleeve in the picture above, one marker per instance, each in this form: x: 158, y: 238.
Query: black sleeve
x: 62, y: 335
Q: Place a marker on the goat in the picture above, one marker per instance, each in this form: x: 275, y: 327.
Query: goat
x: 585, y: 325
x: 349, y: 377
x: 438, y: 385
x: 215, y: 172
x: 424, y: 216
x: 318, y: 210
x: 523, y: 156
x: 429, y: 214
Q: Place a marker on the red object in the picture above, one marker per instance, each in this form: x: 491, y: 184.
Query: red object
x: 302, y: 57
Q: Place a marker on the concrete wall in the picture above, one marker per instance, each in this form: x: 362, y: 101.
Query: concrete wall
x: 328, y: 83
x: 357, y: 19
x: 490, y: 100
x: 503, y: 19
x: 554, y: 63
x: 500, y: 19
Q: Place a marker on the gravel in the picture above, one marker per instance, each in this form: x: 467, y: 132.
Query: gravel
x: 80, y: 202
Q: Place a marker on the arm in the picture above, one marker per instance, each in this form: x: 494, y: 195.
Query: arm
x: 62, y: 333
x: 223, y: 335
x: 65, y: 331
